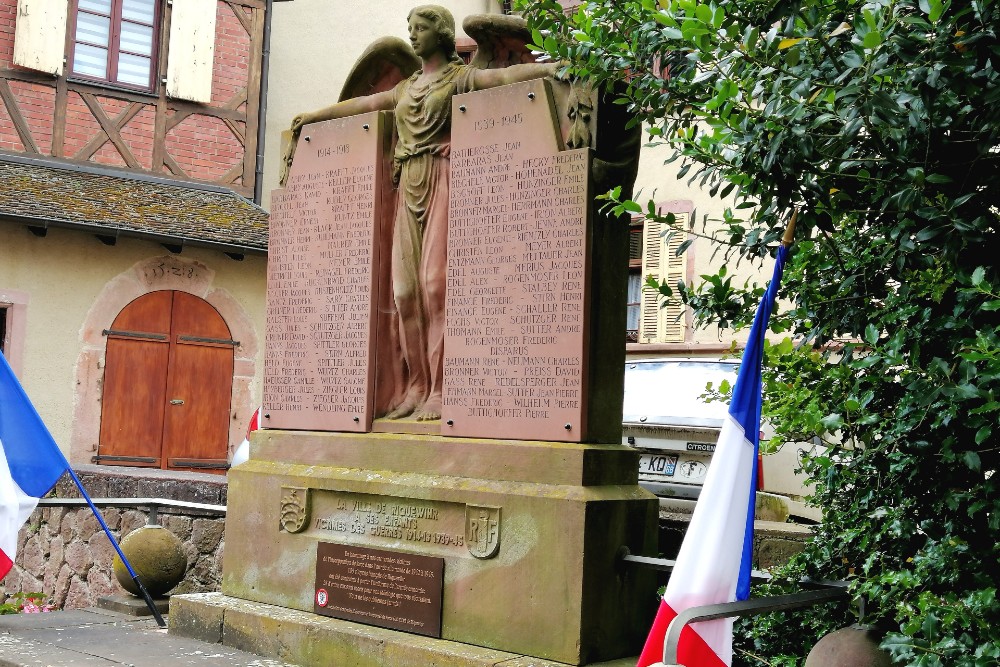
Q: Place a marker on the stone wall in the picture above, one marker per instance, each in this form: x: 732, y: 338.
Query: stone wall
x: 63, y: 552
x: 774, y: 543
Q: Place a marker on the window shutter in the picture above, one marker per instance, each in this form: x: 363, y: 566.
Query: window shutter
x: 192, y: 50
x: 660, y: 259
x: 40, y: 35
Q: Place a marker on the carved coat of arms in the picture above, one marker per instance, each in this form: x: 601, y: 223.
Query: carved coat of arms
x: 482, y: 530
x: 295, y: 506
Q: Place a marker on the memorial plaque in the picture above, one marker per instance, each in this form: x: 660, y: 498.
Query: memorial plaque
x: 322, y: 278
x: 515, y: 357
x: 387, y: 521
x: 388, y: 589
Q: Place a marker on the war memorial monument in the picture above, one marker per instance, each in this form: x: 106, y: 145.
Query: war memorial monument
x: 440, y: 479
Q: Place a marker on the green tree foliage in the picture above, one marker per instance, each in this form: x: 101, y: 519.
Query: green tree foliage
x: 879, y: 122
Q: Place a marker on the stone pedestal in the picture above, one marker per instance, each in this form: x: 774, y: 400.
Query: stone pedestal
x: 540, y: 575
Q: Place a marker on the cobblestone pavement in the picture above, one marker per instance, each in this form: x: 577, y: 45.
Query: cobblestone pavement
x: 99, y: 638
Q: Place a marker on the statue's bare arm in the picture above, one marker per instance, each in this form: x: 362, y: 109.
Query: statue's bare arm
x: 491, y: 78
x: 352, y: 107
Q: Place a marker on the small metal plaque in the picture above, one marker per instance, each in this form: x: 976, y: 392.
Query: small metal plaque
x: 388, y: 589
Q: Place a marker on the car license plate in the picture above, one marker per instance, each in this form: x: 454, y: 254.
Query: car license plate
x: 658, y: 464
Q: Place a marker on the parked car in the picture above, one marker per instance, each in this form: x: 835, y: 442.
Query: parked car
x: 667, y: 417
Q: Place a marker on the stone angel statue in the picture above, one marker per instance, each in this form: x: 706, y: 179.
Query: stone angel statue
x: 423, y: 82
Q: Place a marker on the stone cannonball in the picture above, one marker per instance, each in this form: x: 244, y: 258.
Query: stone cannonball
x: 856, y: 646
x: 156, y: 555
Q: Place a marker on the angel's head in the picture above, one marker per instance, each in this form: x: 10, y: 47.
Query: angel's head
x: 441, y: 22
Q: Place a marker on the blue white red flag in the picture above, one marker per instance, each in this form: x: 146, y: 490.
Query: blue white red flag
x: 30, y: 462
x: 713, y: 565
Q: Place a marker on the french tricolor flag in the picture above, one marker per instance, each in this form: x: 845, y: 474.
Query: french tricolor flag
x: 713, y: 565
x: 30, y: 462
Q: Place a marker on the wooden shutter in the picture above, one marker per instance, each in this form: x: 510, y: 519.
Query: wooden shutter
x: 40, y: 35
x: 660, y: 259
x: 199, y: 387
x: 192, y: 50
x: 135, y: 383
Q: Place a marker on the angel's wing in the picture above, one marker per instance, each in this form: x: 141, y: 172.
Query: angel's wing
x: 385, y: 63
x: 502, y: 40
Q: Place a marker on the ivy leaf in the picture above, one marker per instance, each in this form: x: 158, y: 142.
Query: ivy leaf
x: 840, y: 29
x: 833, y: 421
x: 872, y: 40
x: 789, y: 42
x: 871, y: 334
x: 972, y: 460
x: 977, y: 276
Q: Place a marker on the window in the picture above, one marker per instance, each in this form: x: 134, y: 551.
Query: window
x: 466, y: 48
x: 653, y: 251
x: 13, y: 309
x: 635, y: 281
x: 115, y: 41
x: 3, y: 329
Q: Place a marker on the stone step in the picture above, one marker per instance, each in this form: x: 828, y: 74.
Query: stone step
x: 311, y: 640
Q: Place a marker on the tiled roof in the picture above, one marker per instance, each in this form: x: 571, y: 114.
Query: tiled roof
x: 116, y: 205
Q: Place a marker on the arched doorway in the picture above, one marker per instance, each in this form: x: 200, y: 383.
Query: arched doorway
x: 168, y: 381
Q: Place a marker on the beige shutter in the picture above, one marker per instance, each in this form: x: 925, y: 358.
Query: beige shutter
x: 192, y: 50
x: 659, y: 258
x: 40, y: 35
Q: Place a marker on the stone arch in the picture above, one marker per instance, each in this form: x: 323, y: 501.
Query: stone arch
x: 150, y: 275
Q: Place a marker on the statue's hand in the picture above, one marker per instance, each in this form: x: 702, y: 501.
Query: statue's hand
x: 289, y: 155
x: 300, y: 120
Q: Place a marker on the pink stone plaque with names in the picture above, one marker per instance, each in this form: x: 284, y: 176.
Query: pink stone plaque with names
x: 516, y: 354
x: 322, y: 273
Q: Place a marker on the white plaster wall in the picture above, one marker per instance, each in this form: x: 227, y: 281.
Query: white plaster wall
x: 314, y: 44
x: 63, y: 274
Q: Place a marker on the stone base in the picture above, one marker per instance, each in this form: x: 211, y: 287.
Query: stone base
x: 305, y: 639
x: 132, y: 606
x: 530, y: 533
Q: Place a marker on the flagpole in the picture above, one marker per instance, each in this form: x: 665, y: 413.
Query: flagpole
x: 107, y: 531
x: 32, y: 463
x: 717, y: 550
x: 786, y: 239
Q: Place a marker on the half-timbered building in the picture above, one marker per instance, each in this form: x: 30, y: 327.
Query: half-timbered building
x: 132, y: 254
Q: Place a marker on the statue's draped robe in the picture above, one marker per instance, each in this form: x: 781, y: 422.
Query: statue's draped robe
x: 420, y: 233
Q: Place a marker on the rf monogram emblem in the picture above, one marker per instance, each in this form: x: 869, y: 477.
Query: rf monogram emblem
x: 482, y: 530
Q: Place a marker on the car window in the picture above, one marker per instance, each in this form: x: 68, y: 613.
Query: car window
x: 669, y: 392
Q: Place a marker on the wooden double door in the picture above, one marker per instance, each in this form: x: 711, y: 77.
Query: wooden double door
x: 168, y: 381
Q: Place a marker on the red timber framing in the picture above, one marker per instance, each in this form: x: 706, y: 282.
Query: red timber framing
x: 87, y: 122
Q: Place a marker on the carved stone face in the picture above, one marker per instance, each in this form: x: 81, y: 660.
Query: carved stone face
x: 423, y: 36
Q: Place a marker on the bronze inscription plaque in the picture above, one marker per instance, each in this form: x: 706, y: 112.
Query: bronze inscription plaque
x: 517, y: 276
x: 389, y: 589
x: 322, y: 273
